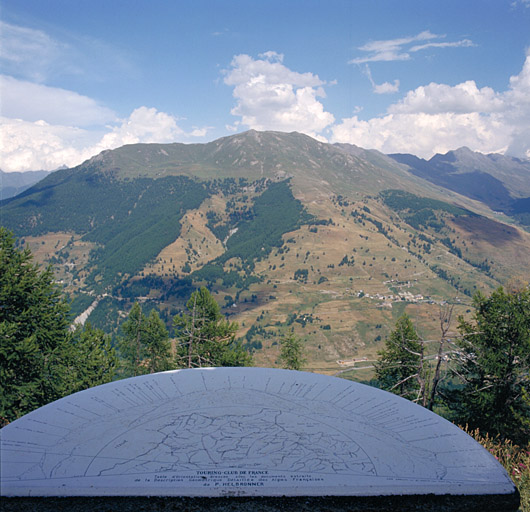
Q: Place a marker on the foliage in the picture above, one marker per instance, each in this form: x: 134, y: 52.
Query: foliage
x: 205, y: 337
x: 80, y: 303
x: 131, y: 221
x: 397, y: 368
x: 301, y: 274
x: 132, y: 237
x: 422, y: 212
x: 106, y: 315
x: 144, y: 346
x: 40, y: 359
x: 291, y: 352
x: 93, y: 360
x: 276, y: 212
x: 157, y: 347
x: 140, y: 287
x: 494, y: 366
x: 400, y: 200
x: 515, y: 460
x: 212, y: 272
x: 33, y: 330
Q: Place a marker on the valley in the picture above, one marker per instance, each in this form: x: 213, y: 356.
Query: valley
x: 288, y: 233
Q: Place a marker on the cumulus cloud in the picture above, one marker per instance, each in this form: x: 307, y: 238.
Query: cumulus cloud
x: 462, y: 98
x: 386, y: 87
x: 400, y: 48
x: 143, y: 125
x: 39, y: 145
x: 270, y: 96
x: 437, y: 118
x: 423, y: 134
x: 45, y: 127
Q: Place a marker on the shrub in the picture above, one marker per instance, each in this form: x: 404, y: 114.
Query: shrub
x: 515, y: 460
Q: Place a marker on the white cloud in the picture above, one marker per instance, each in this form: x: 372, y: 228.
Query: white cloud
x: 143, y: 125
x: 385, y: 87
x: 39, y: 145
x: 223, y: 32
x: 270, y: 96
x: 30, y: 50
x: 34, y: 55
x: 33, y: 102
x: 437, y: 118
x: 400, y: 48
x: 232, y: 127
x: 424, y: 134
x: 438, y: 98
x: 457, y: 44
x: 200, y: 132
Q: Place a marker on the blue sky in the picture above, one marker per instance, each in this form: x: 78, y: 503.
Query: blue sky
x: 417, y: 76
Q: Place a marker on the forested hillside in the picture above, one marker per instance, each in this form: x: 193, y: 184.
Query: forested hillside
x: 333, y: 241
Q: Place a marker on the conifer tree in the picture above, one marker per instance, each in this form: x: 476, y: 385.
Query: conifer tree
x: 494, y: 366
x: 157, y: 345
x: 91, y: 361
x: 398, y: 368
x: 205, y: 337
x: 291, y: 352
x: 40, y: 359
x: 144, y: 346
x: 33, y: 330
x: 131, y: 344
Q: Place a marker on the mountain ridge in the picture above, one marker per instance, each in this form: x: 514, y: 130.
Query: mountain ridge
x: 13, y: 183
x: 288, y: 232
x: 501, y: 182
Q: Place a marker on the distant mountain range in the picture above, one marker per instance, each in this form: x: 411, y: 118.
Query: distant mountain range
x: 501, y: 182
x: 333, y: 241
x: 13, y: 183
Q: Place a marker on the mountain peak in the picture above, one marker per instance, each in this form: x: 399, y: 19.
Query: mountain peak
x: 464, y: 150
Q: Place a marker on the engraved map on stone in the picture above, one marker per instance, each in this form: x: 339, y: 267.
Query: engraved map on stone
x: 242, y: 431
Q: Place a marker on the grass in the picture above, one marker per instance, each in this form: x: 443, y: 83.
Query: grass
x: 330, y: 292
x: 515, y: 460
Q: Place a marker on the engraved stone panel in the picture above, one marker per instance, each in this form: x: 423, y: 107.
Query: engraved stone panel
x: 241, y: 432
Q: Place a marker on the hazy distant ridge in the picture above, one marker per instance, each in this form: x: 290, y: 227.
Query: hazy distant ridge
x: 13, y: 183
x: 501, y: 182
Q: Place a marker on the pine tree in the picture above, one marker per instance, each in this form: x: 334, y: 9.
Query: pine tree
x: 157, y: 345
x: 144, y: 346
x: 34, y: 330
x: 91, y: 361
x: 494, y: 366
x: 205, y: 337
x: 40, y: 359
x: 131, y: 344
x: 291, y: 352
x: 399, y: 367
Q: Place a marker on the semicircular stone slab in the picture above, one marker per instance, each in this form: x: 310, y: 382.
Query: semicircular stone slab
x: 241, y: 432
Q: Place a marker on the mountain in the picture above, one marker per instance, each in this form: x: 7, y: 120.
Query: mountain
x: 13, y: 183
x: 501, y: 182
x: 333, y: 241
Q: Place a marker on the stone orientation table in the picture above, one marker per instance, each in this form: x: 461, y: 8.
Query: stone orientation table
x: 266, y: 437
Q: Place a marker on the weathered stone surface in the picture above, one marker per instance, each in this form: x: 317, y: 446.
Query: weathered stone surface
x: 243, y: 432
